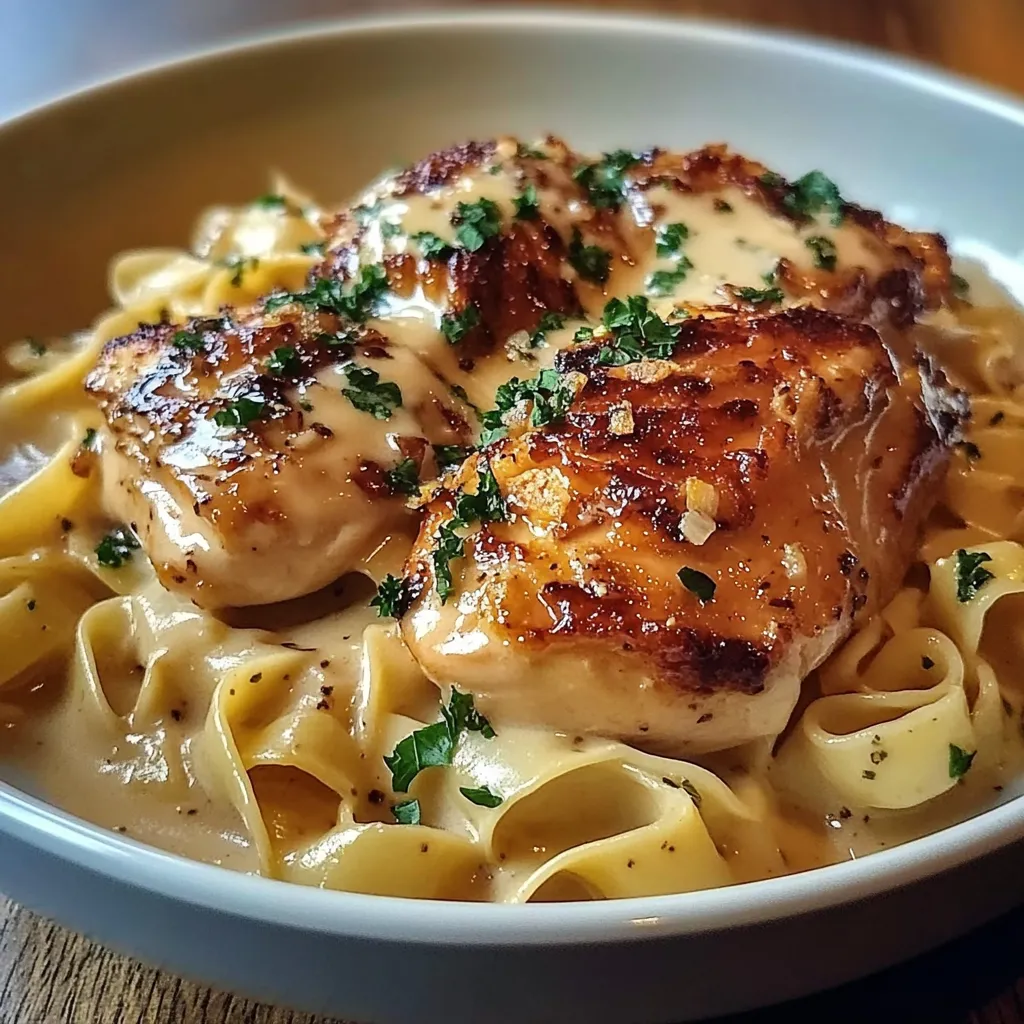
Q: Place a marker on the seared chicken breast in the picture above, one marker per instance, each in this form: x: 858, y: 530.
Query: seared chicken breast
x: 260, y: 458
x: 678, y: 525
x: 477, y: 265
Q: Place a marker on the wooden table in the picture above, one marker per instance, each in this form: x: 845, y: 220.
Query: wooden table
x: 49, y: 975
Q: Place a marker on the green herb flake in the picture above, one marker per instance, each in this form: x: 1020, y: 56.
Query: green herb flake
x: 313, y: 248
x: 549, y: 321
x: 116, y: 547
x: 368, y: 393
x: 480, y: 796
x: 476, y: 222
x: 698, y: 583
x: 583, y: 335
x: 455, y: 326
x: 393, y: 598
x: 241, y: 412
x: 433, y: 745
x: 970, y: 574
x: 812, y: 193
x: 636, y: 333
x: 404, y: 478
x: 722, y: 206
x: 89, y: 440
x: 772, y: 180
x: 961, y: 286
x: 448, y: 547
x: 668, y: 241
x: 407, y: 812
x: 239, y: 267
x: 605, y: 181
x: 526, y: 204
x: 284, y: 362
x: 359, y: 303
x: 188, y: 341
x: 770, y: 295
x: 960, y: 761
x: 824, y: 250
x: 451, y: 454
x: 271, y: 201
x: 523, y: 151
x: 591, y: 262
x: 432, y: 247
x: 389, y: 229
x: 36, y: 347
x: 665, y: 282
x: 549, y: 392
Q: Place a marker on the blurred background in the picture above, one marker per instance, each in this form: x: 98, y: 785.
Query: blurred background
x: 50, y: 46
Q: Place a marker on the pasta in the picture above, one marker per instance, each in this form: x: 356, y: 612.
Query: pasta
x: 260, y: 739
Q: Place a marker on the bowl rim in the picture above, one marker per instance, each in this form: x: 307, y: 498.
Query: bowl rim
x: 439, y: 922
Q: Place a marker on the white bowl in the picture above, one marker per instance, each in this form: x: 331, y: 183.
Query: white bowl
x: 131, y: 163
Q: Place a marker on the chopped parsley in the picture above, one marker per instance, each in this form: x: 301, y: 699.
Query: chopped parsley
x: 549, y: 393
x: 549, y: 321
x: 284, y: 362
x: 761, y: 296
x: 187, y: 341
x: 583, y: 335
x: 604, y: 180
x: 526, y: 204
x: 824, y: 250
x: 961, y: 287
x: 389, y: 229
x: 434, y: 745
x: 699, y: 584
x: 239, y: 266
x: 270, y: 201
x: 89, y: 441
x: 404, y: 478
x: 407, y: 812
x: 813, y: 192
x: 241, y: 412
x: 393, y: 597
x: 313, y: 248
x: 455, y: 326
x: 433, y: 247
x: 591, y: 262
x: 959, y: 761
x: 665, y: 282
x: 637, y: 333
x: 116, y: 547
x: 449, y: 547
x: 970, y: 574
x: 532, y: 152
x: 36, y: 347
x: 359, y: 303
x: 451, y: 454
x: 368, y: 393
x: 481, y: 796
x: 669, y: 239
x: 476, y: 222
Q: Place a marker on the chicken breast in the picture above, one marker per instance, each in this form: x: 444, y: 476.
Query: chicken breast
x: 678, y: 526
x: 475, y: 266
x: 262, y: 457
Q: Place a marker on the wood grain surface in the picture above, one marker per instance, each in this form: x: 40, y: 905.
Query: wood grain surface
x: 51, y: 976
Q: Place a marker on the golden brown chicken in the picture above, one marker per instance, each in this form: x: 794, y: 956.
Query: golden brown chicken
x: 678, y: 526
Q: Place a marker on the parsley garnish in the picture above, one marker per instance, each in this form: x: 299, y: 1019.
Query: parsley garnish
x: 116, y: 548
x: 313, y: 248
x: 407, y: 812
x: 404, y: 478
x: 476, y: 222
x: 455, y: 326
x: 772, y: 180
x: 187, y: 341
x: 433, y: 745
x: 760, y: 296
x: 433, y: 247
x: 669, y: 239
x: 451, y: 454
x: 532, y: 152
x: 665, y: 282
x: 449, y: 546
x: 89, y: 441
x: 368, y: 393
x: 971, y: 575
x: 824, y: 250
x: 239, y: 265
x: 359, y: 303
x: 604, y: 180
x: 393, y: 597
x: 389, y: 229
x: 697, y: 583
x: 241, y: 412
x: 270, y: 202
x: 811, y: 193
x: 583, y: 335
x: 526, y: 204
x: 36, y: 347
x: 959, y: 761
x: 284, y: 362
x: 549, y: 321
x: 637, y: 333
x: 961, y: 286
x: 591, y: 262
x: 482, y: 796
x: 550, y: 396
